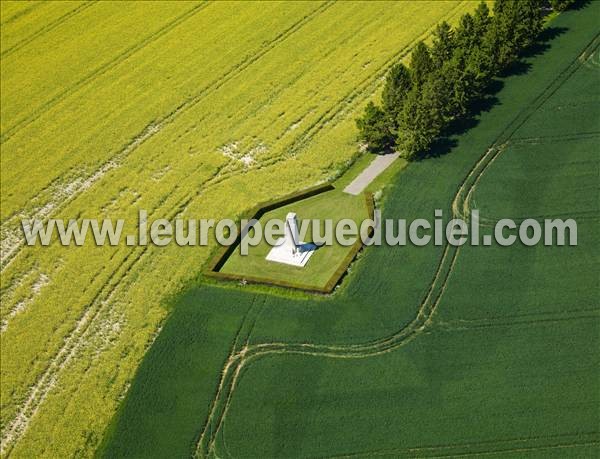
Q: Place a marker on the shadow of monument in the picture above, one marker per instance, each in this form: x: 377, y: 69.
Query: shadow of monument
x: 309, y: 246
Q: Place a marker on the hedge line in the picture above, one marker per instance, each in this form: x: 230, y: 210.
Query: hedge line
x: 216, y: 263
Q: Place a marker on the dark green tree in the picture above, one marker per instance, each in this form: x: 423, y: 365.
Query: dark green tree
x: 455, y: 84
x: 421, y: 64
x: 515, y: 25
x: 443, y: 44
x: 472, y: 65
x: 421, y: 120
x: 397, y: 85
x: 481, y: 19
x: 561, y: 5
x: 466, y: 37
x: 529, y: 22
x: 374, y: 129
x: 419, y: 102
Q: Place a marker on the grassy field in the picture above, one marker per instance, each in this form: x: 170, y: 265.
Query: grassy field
x: 108, y: 108
x: 334, y: 205
x: 429, y: 351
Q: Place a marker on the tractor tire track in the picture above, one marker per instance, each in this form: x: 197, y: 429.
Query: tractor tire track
x: 47, y: 28
x: 363, y: 91
x: 426, y: 310
x: 347, y: 103
x: 17, y: 427
x: 98, y: 72
x: 74, y: 340
x: 72, y: 343
x: 23, y: 12
x: 10, y: 229
x: 440, y: 449
x: 504, y: 139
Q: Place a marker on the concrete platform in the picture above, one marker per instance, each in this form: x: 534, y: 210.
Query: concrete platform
x: 281, y: 253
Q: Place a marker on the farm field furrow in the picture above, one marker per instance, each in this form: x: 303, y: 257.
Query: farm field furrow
x: 145, y: 122
x: 483, y: 349
x: 23, y: 21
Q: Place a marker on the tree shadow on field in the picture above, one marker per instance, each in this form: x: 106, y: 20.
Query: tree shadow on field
x: 448, y: 138
x: 541, y: 45
x: 439, y: 147
x: 579, y: 5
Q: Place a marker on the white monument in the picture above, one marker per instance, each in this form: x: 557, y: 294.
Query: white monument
x: 289, y: 249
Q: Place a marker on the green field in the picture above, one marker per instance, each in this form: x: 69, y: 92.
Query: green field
x: 184, y: 109
x: 425, y: 351
x: 333, y: 205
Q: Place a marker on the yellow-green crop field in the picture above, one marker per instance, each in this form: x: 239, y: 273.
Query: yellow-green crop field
x: 194, y: 109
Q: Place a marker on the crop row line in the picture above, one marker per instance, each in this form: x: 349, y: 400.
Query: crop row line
x: 523, y: 449
x: 525, y: 316
x: 491, y: 221
x: 492, y: 443
x: 152, y: 129
x: 72, y: 343
x: 47, y: 28
x: 426, y: 310
x: 19, y: 424
x: 556, y: 138
x: 496, y: 324
x: 39, y: 111
x: 23, y: 12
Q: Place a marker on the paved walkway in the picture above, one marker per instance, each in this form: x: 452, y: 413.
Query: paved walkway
x: 377, y: 166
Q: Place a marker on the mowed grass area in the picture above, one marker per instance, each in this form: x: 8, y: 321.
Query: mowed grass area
x: 111, y: 107
x: 334, y: 205
x: 501, y: 359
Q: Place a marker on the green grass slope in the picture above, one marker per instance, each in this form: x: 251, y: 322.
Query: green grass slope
x: 425, y: 351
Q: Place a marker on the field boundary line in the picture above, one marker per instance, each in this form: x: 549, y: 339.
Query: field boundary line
x: 425, y: 312
x: 155, y: 127
x: 39, y: 390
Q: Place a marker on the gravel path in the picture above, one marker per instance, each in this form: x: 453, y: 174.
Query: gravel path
x: 377, y: 166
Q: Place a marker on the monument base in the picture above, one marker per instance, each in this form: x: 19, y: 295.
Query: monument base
x: 282, y: 253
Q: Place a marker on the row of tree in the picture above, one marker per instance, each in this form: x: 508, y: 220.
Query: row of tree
x: 445, y: 79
